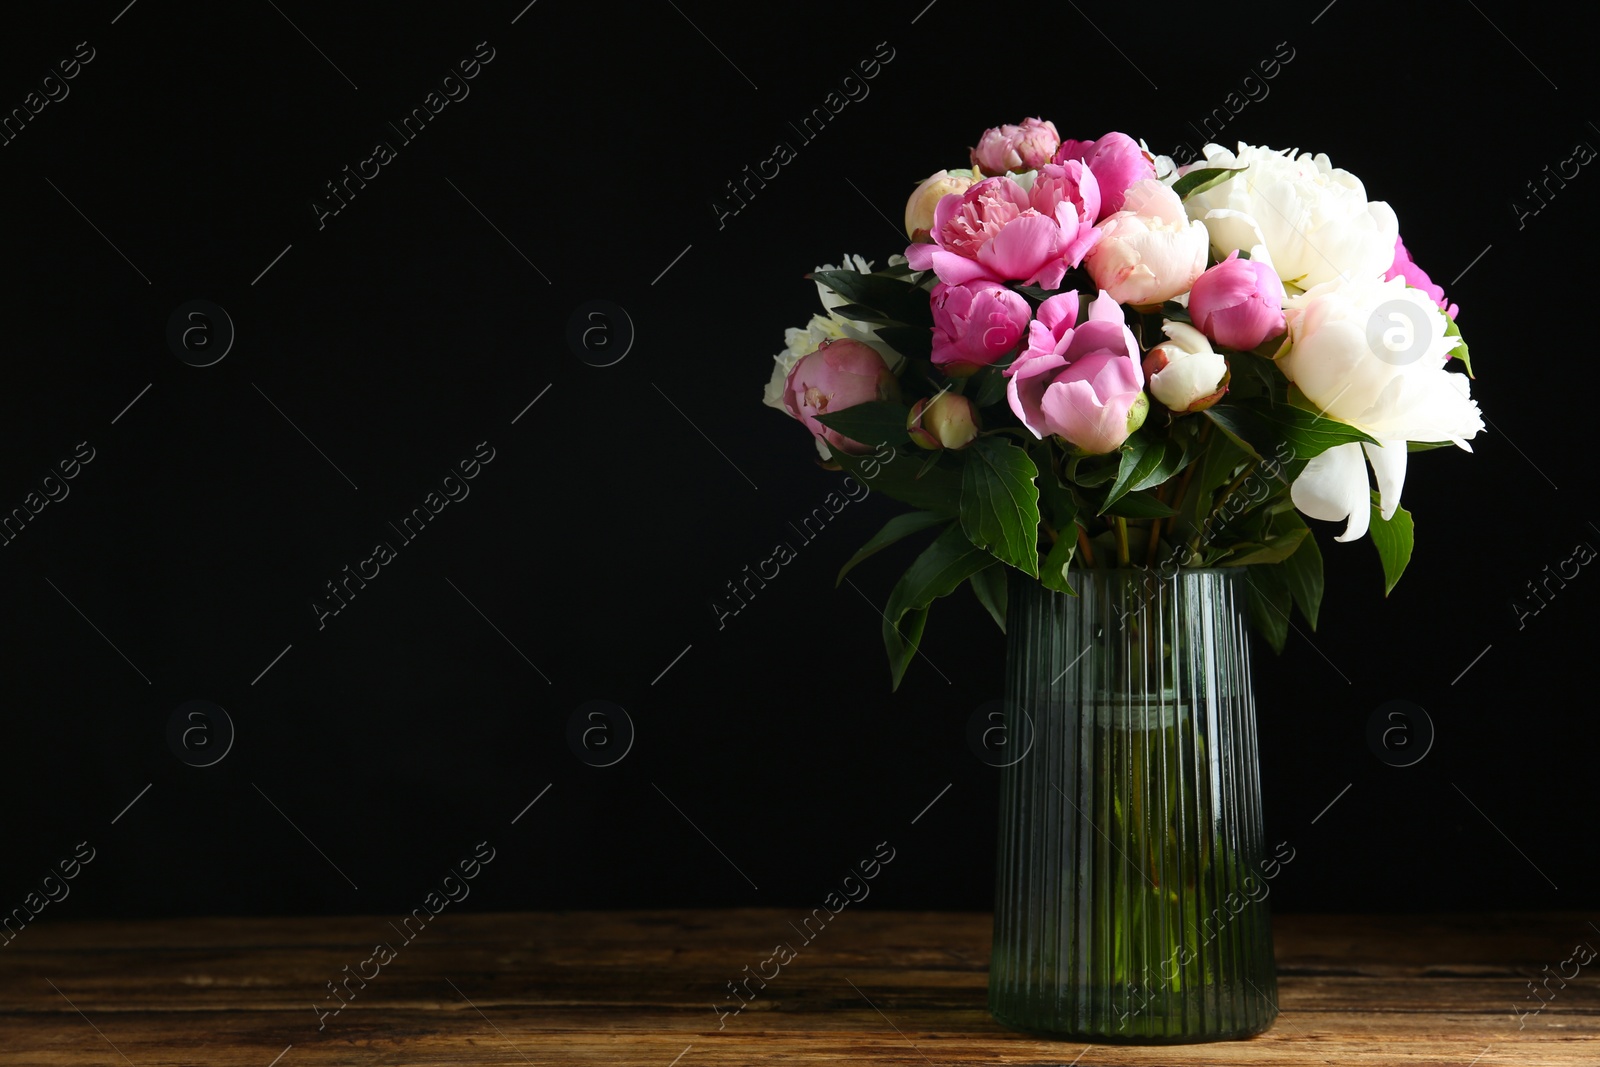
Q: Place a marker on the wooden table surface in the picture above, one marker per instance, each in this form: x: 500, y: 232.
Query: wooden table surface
x: 639, y: 987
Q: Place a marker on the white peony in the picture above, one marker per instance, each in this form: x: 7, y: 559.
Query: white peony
x: 1185, y: 372
x: 1372, y: 353
x: 831, y: 299
x: 1314, y: 219
x: 1166, y: 168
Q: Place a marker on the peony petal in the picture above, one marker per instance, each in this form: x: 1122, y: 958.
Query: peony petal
x: 1152, y: 199
x: 1022, y: 248
x: 1388, y: 460
x: 1024, y: 395
x: 1057, y: 313
x: 1334, y: 486
x: 1104, y: 309
x: 955, y: 269
x: 1230, y: 230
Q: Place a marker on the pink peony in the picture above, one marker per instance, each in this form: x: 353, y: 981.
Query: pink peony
x: 997, y: 231
x: 975, y: 324
x: 1404, y: 267
x: 1149, y: 251
x: 1070, y: 182
x: 1025, y: 147
x: 838, y: 375
x: 1081, y: 381
x: 1117, y: 162
x: 1238, y: 303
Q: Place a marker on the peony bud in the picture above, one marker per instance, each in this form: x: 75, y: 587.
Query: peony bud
x: 1238, y: 303
x: 1118, y: 162
x: 1184, y: 373
x: 920, y: 207
x: 975, y: 324
x: 838, y: 375
x: 1014, y: 148
x: 946, y: 421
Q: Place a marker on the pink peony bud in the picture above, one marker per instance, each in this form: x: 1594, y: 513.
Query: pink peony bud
x: 838, y: 375
x: 946, y: 421
x: 975, y: 324
x: 1025, y: 147
x: 926, y: 197
x: 1238, y: 303
x: 1117, y: 162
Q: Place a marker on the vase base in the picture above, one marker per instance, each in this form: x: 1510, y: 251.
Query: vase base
x: 1114, y: 1037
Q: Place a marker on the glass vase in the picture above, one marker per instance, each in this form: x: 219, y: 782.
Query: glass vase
x: 1131, y: 884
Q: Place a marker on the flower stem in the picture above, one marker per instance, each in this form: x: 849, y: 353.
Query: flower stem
x: 1122, y: 540
x: 1083, y: 546
x: 1188, y: 472
x: 1216, y: 508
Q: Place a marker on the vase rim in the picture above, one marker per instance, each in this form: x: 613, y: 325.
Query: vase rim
x: 1142, y: 569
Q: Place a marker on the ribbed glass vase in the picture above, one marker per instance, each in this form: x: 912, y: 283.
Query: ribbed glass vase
x: 1132, y: 876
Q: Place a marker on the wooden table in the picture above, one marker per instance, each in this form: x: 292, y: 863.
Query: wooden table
x: 638, y: 988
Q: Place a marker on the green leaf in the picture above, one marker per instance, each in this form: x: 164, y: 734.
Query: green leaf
x: 1269, y: 600
x: 1176, y: 312
x: 1091, y: 471
x: 1198, y: 181
x: 1219, y: 458
x: 863, y: 313
x: 1460, y: 350
x: 1255, y: 378
x: 915, y: 342
x: 895, y: 297
x: 986, y: 387
x: 1424, y: 446
x: 894, y: 472
x: 1394, y: 541
x: 1139, y: 455
x: 1053, y: 574
x: 1302, y: 572
x: 942, y: 566
x: 990, y: 586
x: 1142, y: 505
x: 1258, y: 429
x: 897, y: 528
x: 1035, y: 293
x: 1056, y: 505
x: 1238, y: 423
x: 1173, y: 461
x: 1274, y: 550
x: 1145, y: 465
x: 1000, y: 503
x: 872, y: 423
x: 902, y: 643
x: 1060, y: 510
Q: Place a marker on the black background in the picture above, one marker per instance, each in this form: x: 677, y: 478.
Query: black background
x: 415, y: 324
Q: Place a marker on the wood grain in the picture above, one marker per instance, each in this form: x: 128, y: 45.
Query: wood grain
x: 639, y: 988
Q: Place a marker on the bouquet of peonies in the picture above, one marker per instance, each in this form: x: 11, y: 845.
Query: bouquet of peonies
x: 1090, y: 357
